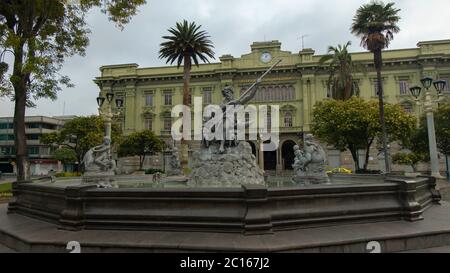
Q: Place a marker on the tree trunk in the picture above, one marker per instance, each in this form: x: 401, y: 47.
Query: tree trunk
x: 141, y: 162
x: 378, y: 63
x: 354, y: 153
x: 366, y: 161
x: 20, y: 91
x: 184, y: 157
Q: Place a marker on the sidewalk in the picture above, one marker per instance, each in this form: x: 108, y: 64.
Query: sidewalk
x: 444, y: 188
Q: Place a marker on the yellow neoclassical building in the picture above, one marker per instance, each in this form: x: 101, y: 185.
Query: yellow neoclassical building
x: 295, y: 85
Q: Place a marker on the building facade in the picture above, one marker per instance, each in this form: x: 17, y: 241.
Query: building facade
x: 40, y: 155
x: 296, y: 85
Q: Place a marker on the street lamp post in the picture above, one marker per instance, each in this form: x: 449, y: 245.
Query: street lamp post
x: 108, y: 115
x: 439, y: 85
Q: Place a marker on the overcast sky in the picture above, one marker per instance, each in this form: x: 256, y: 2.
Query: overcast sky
x: 233, y: 26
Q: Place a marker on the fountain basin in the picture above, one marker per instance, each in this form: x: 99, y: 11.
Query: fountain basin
x: 248, y: 209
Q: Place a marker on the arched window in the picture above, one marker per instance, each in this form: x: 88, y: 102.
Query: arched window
x: 271, y: 96
x: 277, y: 93
x: 263, y: 94
x: 288, y: 120
x: 284, y: 93
x: 407, y: 107
x: 291, y: 92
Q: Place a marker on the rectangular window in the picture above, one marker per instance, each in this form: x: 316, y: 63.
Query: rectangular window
x: 4, y: 126
x: 207, y: 95
x: 33, y: 137
x: 167, y: 99
x: 45, y: 151
x: 4, y: 151
x: 404, y: 87
x: 149, y: 124
x: 167, y: 124
x: 48, y: 126
x: 376, y: 88
x: 33, y: 150
x: 149, y: 100
x: 328, y: 92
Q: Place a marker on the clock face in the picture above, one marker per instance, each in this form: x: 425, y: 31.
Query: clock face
x: 266, y: 57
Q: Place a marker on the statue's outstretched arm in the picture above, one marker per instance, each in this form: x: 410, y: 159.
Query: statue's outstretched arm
x: 249, y: 94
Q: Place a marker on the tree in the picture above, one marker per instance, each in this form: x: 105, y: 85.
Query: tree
x: 341, y: 69
x: 140, y: 144
x: 417, y: 143
x: 65, y: 156
x: 41, y: 34
x: 80, y: 135
x: 411, y: 159
x: 353, y: 125
x: 375, y: 23
x: 187, y: 44
x: 442, y: 124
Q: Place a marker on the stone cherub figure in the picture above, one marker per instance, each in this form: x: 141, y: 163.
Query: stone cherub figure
x: 174, y: 163
x: 98, y: 159
x: 300, y: 160
x: 310, y: 163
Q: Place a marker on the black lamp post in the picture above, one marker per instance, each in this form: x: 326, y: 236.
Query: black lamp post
x: 439, y: 85
x: 100, y: 101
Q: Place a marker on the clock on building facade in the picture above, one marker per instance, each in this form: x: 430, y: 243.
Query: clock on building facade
x: 266, y: 57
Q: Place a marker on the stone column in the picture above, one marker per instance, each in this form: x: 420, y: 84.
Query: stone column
x: 261, y: 154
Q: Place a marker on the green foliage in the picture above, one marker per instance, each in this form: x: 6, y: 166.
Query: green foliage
x: 140, y: 144
x: 65, y: 155
x: 187, y: 171
x: 43, y: 33
x: 186, y: 41
x: 6, y: 187
x: 341, y: 69
x: 68, y: 174
x: 81, y: 134
x: 354, y: 124
x: 376, y: 23
x: 153, y: 171
x: 411, y: 159
x: 442, y: 124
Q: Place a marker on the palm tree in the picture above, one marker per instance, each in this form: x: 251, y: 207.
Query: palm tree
x: 186, y: 44
x: 375, y: 23
x: 341, y: 68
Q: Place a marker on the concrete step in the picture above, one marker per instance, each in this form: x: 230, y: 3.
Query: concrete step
x: 5, y: 249
x: 442, y: 249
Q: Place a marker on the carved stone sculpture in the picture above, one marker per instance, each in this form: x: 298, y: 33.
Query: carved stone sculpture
x: 175, y: 163
x: 228, y: 162
x: 99, y: 165
x: 309, y: 164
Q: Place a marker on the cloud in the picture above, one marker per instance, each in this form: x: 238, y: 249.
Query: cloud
x: 233, y: 26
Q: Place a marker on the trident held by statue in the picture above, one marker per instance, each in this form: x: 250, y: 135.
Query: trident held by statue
x: 262, y: 76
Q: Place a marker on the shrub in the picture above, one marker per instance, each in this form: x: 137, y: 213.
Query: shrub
x: 68, y: 174
x: 153, y: 171
x: 5, y: 188
x: 187, y: 171
x: 368, y: 172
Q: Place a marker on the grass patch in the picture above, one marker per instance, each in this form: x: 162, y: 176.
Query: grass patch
x: 6, y: 187
x: 5, y: 190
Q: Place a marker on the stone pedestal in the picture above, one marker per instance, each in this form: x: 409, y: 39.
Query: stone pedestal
x: 102, y: 179
x: 237, y: 166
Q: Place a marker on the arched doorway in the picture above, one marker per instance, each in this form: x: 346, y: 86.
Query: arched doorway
x: 287, y: 154
x: 270, y: 160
